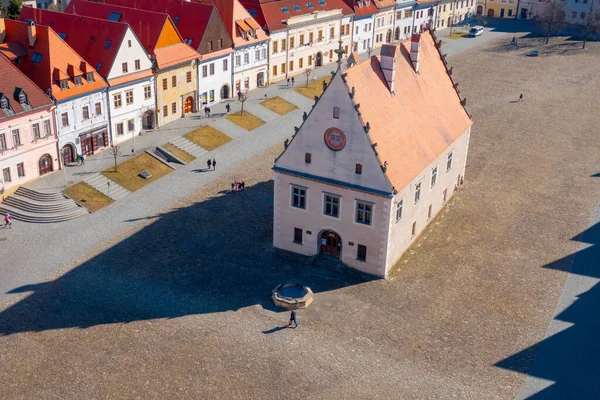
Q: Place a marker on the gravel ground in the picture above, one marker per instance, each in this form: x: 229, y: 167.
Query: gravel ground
x: 179, y: 306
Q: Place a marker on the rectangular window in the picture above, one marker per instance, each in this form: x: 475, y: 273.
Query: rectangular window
x: 408, y: 13
x: 188, y: 77
x: 35, y: 130
x: 124, y: 67
x: 331, y: 32
x: 445, y: 194
x: 117, y: 101
x: 283, y: 68
x: 130, y: 125
x: 274, y: 70
x: 429, y: 211
x: 292, y: 40
x: 6, y: 175
x: 449, y: 162
x: 298, y: 235
x: 399, y: 205
x: 434, y: 176
x: 20, y: 170
x: 311, y: 37
x: 264, y: 53
x: 291, y: 66
x: 65, y: 119
x: 210, y: 46
x: 137, y: 65
x: 78, y: 81
x: 302, y: 39
x: 147, y: 92
x: 256, y: 54
x: 129, y: 43
x: 307, y: 158
x: 225, y: 66
x: 204, y: 71
x: 283, y: 45
x: 332, y: 205
x: 361, y: 252
x: 173, y: 108
x: 301, y: 63
x: 417, y: 192
x: 119, y: 127
x: 275, y: 47
x: 299, y: 197
x: 165, y: 87
x: 211, y: 69
x: 129, y: 97
x: 336, y: 112
x: 99, y: 108
x: 238, y: 60
x: 86, y: 112
x: 165, y: 111
x: 364, y: 212
x: 173, y: 81
x: 319, y: 35
x: 414, y: 228
x: 47, y: 131
x: 358, y: 169
x: 246, y: 58
x: 310, y: 60
x: 16, y: 138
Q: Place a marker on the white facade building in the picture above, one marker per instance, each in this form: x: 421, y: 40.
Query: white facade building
x: 215, y: 77
x: 363, y: 25
x: 250, y: 67
x: 404, y: 20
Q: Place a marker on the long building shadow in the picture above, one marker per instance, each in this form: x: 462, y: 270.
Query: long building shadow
x: 212, y: 256
x: 570, y: 358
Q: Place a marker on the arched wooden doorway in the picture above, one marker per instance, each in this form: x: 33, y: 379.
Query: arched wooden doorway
x: 188, y: 105
x: 45, y: 164
x: 225, y: 92
x: 68, y: 154
x: 388, y: 36
x: 148, y: 120
x: 491, y: 13
x: 480, y: 10
x: 319, y: 60
x: 397, y: 35
x: 330, y: 243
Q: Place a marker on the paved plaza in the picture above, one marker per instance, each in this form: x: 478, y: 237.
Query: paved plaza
x: 175, y: 302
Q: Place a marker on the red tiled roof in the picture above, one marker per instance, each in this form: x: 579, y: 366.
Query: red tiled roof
x: 385, y: 3
x: 54, y: 54
x: 192, y: 18
x: 146, y: 25
x: 234, y: 13
x: 420, y: 121
x: 12, y: 50
x: 361, y: 8
x: 13, y: 79
x: 273, y: 15
x: 174, y: 54
x: 86, y: 35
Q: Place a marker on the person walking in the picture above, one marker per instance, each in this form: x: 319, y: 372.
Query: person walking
x: 521, y: 98
x: 208, y: 163
x: 288, y: 81
x: 227, y: 108
x: 242, y: 185
x: 7, y: 220
x: 232, y: 186
x: 292, y: 81
x: 240, y: 95
x: 208, y: 112
x: 214, y: 164
x: 293, y: 319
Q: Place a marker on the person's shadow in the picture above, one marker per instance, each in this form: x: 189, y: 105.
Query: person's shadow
x: 276, y: 329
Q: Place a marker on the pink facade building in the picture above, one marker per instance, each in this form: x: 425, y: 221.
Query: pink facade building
x: 28, y: 142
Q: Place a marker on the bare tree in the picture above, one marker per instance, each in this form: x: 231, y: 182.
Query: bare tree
x: 242, y: 97
x: 307, y: 72
x: 554, y: 18
x: 592, y: 25
x: 115, y: 151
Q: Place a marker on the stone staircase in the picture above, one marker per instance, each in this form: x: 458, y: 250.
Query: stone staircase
x: 28, y: 205
x: 99, y: 182
x: 188, y: 146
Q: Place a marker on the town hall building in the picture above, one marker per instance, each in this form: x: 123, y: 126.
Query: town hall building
x: 379, y: 155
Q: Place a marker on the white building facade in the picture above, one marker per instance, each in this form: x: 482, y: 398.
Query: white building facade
x: 404, y: 20
x: 362, y: 37
x: 250, y: 67
x: 215, y: 77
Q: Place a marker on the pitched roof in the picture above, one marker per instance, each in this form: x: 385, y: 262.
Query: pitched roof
x: 423, y: 118
x: 88, y: 36
x: 48, y: 59
x: 236, y: 17
x: 275, y: 13
x: 12, y: 82
x: 385, y: 3
x: 362, y: 7
x: 190, y: 18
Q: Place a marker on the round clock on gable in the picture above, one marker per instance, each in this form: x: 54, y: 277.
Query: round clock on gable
x: 335, y: 139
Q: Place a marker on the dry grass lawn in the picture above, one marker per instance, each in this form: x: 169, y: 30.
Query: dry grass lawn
x: 177, y: 152
x: 127, y: 174
x: 315, y: 88
x: 87, y: 196
x: 207, y: 137
x: 456, y: 35
x: 278, y: 105
x: 247, y: 121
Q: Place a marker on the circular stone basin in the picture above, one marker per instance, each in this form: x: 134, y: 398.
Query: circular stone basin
x: 292, y: 296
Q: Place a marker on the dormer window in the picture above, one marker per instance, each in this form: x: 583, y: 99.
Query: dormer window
x: 36, y: 58
x: 176, y: 20
x: 108, y: 43
x: 64, y: 84
x: 98, y: 66
x: 113, y: 16
x: 22, y: 98
x: 77, y: 81
x: 89, y: 76
x: 4, y: 104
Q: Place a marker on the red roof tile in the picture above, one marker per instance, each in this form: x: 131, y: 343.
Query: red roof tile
x: 420, y: 121
x: 87, y: 36
x: 51, y: 53
x: 233, y: 12
x: 174, y: 54
x: 361, y: 8
x: 12, y: 80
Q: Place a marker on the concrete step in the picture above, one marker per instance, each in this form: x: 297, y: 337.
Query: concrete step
x: 188, y: 146
x: 27, y: 204
x: 39, y: 196
x: 99, y: 182
x: 42, y: 218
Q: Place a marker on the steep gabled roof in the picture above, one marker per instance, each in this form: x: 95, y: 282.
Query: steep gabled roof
x: 237, y: 18
x: 12, y: 82
x: 49, y: 58
x: 88, y: 36
x: 417, y: 124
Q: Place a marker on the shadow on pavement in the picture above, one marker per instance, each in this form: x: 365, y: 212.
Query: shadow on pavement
x: 570, y: 358
x: 212, y: 256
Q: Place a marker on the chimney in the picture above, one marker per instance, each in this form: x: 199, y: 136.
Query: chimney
x: 2, y: 31
x: 388, y: 64
x: 415, y: 51
x: 31, y: 34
